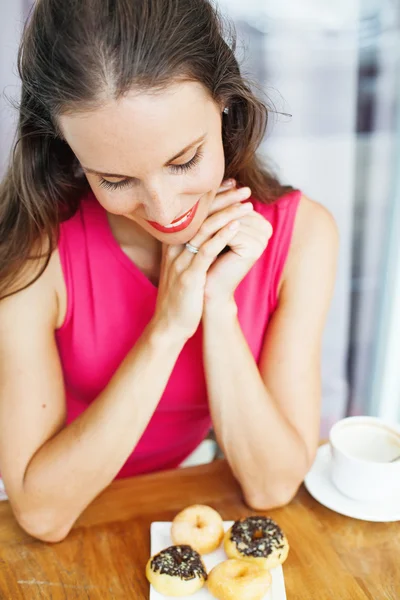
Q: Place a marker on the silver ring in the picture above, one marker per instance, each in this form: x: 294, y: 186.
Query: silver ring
x: 191, y: 248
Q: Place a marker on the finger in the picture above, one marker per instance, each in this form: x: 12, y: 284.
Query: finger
x: 227, y: 184
x: 210, y: 227
x: 247, y: 244
x: 171, y: 250
x: 209, y: 230
x: 210, y: 250
x: 250, y: 242
x: 219, y: 219
x: 238, y: 193
x: 244, y: 245
x: 251, y: 232
x: 229, y: 197
x: 169, y: 253
x: 257, y: 224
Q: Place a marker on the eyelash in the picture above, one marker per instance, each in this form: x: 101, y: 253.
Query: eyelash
x: 109, y: 185
x: 189, y: 165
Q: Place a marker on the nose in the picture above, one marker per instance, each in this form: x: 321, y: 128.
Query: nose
x: 163, y: 208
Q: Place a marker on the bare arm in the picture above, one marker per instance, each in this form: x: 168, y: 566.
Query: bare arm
x: 266, y: 417
x: 53, y: 472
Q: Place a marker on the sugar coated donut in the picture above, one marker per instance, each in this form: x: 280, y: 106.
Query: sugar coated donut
x: 176, y: 571
x: 199, y: 526
x: 238, y: 580
x: 257, y: 539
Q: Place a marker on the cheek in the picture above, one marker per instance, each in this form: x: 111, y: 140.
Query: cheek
x: 209, y: 175
x: 216, y: 164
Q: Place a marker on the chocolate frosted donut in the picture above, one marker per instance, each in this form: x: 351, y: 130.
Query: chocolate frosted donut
x: 257, y: 539
x: 179, y: 561
x: 176, y: 571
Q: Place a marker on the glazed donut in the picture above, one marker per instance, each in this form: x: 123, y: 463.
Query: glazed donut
x: 257, y: 539
x: 199, y: 526
x: 238, y: 580
x: 176, y: 571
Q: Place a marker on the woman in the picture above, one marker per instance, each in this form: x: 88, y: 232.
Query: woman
x: 155, y: 279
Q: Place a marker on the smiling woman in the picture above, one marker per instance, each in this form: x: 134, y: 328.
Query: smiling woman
x: 156, y: 280
x: 162, y: 152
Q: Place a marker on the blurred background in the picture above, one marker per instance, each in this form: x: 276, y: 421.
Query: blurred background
x: 335, y: 68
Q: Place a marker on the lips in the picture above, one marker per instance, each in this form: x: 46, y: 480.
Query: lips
x: 179, y: 224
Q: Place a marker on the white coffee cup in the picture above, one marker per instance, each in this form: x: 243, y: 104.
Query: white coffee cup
x: 364, y: 450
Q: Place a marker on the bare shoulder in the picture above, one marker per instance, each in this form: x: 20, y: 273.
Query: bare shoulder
x: 314, y: 224
x: 315, y: 241
x: 38, y: 290
x: 314, y: 230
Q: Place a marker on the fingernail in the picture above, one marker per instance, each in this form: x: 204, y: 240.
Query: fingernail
x: 234, y: 225
x: 228, y: 183
x: 247, y: 206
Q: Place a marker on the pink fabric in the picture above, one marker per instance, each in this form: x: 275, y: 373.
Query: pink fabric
x: 110, y: 302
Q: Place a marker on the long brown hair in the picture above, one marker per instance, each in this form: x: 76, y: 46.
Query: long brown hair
x: 76, y: 55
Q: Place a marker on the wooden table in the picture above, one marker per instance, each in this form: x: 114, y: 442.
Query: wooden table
x: 331, y: 558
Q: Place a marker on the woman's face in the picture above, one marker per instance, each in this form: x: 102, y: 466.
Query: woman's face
x: 156, y: 159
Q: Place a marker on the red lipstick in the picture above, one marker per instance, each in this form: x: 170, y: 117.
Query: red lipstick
x: 178, y: 224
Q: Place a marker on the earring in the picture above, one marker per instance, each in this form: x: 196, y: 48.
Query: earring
x: 226, y: 110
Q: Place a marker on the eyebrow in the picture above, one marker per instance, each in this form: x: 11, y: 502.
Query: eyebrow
x: 200, y: 139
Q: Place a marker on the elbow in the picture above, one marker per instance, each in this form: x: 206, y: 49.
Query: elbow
x: 275, y: 495
x: 279, y: 490
x: 43, y: 527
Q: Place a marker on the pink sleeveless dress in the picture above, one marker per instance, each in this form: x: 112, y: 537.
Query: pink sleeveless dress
x: 110, y: 302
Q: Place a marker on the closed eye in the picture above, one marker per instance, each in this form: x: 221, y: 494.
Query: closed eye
x: 189, y: 165
x: 110, y: 185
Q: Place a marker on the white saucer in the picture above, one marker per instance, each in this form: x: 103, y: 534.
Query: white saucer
x: 318, y: 483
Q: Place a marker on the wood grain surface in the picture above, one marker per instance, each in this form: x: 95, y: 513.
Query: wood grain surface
x: 331, y: 558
